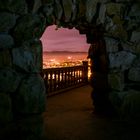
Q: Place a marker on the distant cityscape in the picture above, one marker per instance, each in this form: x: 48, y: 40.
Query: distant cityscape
x: 63, y: 59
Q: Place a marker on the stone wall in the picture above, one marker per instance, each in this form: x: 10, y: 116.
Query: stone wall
x: 123, y: 49
x: 22, y: 23
x: 121, y: 32
x: 22, y: 92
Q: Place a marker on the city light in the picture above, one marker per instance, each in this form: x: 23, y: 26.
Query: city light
x: 52, y: 63
x: 68, y: 62
x: 63, y: 59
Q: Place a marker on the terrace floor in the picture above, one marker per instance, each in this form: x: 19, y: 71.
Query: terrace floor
x: 70, y: 116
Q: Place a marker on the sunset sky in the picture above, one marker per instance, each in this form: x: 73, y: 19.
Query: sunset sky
x: 63, y: 39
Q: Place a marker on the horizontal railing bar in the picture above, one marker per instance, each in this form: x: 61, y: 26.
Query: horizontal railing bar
x: 61, y: 68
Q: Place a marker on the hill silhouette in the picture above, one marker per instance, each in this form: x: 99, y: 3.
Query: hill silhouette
x: 62, y: 52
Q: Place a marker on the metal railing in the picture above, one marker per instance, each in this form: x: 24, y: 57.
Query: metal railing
x: 64, y: 78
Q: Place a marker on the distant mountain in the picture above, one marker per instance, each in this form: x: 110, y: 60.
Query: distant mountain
x: 62, y: 52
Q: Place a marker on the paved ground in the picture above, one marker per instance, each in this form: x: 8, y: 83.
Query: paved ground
x: 69, y: 116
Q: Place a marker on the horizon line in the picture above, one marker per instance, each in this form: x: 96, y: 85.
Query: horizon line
x: 66, y: 51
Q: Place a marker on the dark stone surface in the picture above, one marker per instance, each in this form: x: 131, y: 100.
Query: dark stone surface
x: 23, y: 22
x: 7, y: 21
x: 5, y: 59
x: 26, y: 59
x: 29, y: 56
x: 31, y: 97
x: 5, y: 108
x: 14, y: 6
x: 6, y: 41
x: 29, y: 27
x: 9, y: 80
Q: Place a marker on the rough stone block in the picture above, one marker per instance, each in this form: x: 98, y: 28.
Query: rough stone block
x: 48, y: 9
x: 114, y: 8
x: 5, y: 58
x: 37, y: 5
x: 30, y: 127
x: 5, y: 108
x: 14, y: 6
x: 90, y: 9
x: 102, y: 12
x: 36, y: 47
x: 7, y: 21
x: 127, y: 46
x: 29, y: 27
x: 131, y: 47
x: 130, y: 109
x: 25, y: 59
x: 138, y: 48
x: 47, y: 1
x: 136, y: 63
x: 81, y: 8
x: 29, y: 57
x: 123, y: 0
x: 74, y: 10
x: 111, y: 44
x: 117, y: 20
x: 67, y: 5
x: 33, y: 6
x: 134, y: 12
x: 31, y: 96
x: 116, y: 81
x: 134, y: 74
x: 108, y: 23
x: 118, y: 31
x: 133, y: 17
x: 58, y: 9
x: 114, y: 28
x: 135, y: 36
x: 122, y: 60
x: 9, y: 80
x: 116, y: 99
x: 127, y: 103
x: 104, y: 1
x: 6, y: 41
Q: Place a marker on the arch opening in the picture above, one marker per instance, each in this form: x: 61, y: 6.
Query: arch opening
x: 62, y: 46
x: 66, y: 49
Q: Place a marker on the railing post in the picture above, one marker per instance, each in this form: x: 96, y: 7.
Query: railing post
x: 85, y: 71
x: 45, y: 76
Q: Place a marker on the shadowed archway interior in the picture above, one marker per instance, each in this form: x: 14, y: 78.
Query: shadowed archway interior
x: 112, y: 29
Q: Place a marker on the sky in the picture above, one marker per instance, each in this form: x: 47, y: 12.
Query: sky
x: 63, y: 39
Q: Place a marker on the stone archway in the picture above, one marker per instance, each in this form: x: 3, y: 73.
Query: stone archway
x: 21, y: 25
